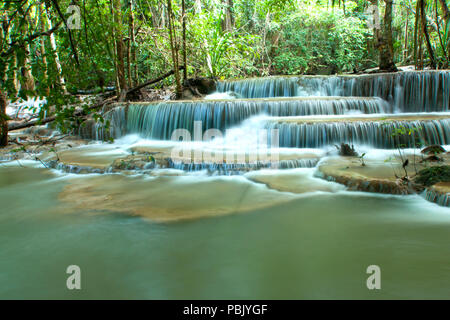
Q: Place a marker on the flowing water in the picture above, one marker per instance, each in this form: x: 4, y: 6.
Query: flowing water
x: 213, y: 230
x: 275, y: 244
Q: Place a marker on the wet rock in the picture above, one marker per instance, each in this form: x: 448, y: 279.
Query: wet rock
x: 346, y: 150
x: 149, y: 165
x: 201, y: 85
x: 187, y: 94
x: 39, y: 130
x: 136, y: 162
x: 52, y: 164
x: 380, y: 176
x: 434, y: 149
x: 432, y: 158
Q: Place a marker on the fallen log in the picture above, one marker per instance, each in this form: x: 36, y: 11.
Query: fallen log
x: 139, y: 87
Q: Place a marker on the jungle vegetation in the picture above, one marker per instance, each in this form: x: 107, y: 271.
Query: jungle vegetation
x: 56, y: 48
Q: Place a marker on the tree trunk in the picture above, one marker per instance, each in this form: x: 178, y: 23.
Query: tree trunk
x: 446, y: 17
x: 441, y: 42
x: 416, y: 36
x: 183, y: 9
x: 425, y: 33
x: 3, y: 121
x: 421, y: 64
x: 42, y: 49
x: 228, y: 21
x: 405, y: 48
x: 3, y: 102
x: 129, y: 77
x: 386, y: 45
x: 113, y: 39
x: 174, y: 49
x: 130, y: 43
x: 69, y: 31
x: 120, y: 48
x: 59, y: 75
x: 27, y: 80
x: 445, y: 11
x: 12, y: 74
x: 134, y: 72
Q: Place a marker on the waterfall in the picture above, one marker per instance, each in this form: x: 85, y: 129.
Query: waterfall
x: 378, y: 134
x: 442, y: 199
x: 424, y: 91
x: 336, y: 95
x: 160, y: 120
x: 387, y: 111
x: 262, y: 87
x: 239, y: 168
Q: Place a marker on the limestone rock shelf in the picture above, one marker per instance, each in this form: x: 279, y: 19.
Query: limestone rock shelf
x: 439, y: 193
x: 254, y: 100
x: 404, y: 117
x: 378, y: 131
x: 384, y: 176
x: 104, y: 158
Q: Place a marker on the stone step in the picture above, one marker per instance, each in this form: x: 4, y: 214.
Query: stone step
x: 402, y: 117
x: 377, y: 131
x: 254, y: 100
x: 103, y: 158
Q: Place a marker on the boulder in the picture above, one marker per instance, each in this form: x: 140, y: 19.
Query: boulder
x: 434, y: 149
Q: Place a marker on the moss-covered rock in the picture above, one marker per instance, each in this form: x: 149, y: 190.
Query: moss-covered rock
x: 434, y: 149
x: 433, y: 175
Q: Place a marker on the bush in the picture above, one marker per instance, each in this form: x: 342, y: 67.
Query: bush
x: 320, y: 41
x: 433, y: 175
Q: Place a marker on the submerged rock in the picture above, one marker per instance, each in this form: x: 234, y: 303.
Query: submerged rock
x: 168, y: 198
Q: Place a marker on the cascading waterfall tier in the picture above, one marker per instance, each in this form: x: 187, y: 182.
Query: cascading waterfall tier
x: 262, y: 87
x: 307, y: 112
x: 239, y: 168
x: 432, y: 195
x: 423, y: 91
x: 159, y: 120
x: 386, y: 133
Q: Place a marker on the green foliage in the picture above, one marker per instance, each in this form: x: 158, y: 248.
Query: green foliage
x: 402, y: 134
x: 267, y: 37
x: 317, y: 40
x: 224, y: 53
x: 433, y: 175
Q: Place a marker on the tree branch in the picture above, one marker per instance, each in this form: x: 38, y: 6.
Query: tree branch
x: 171, y: 72
x: 15, y: 44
